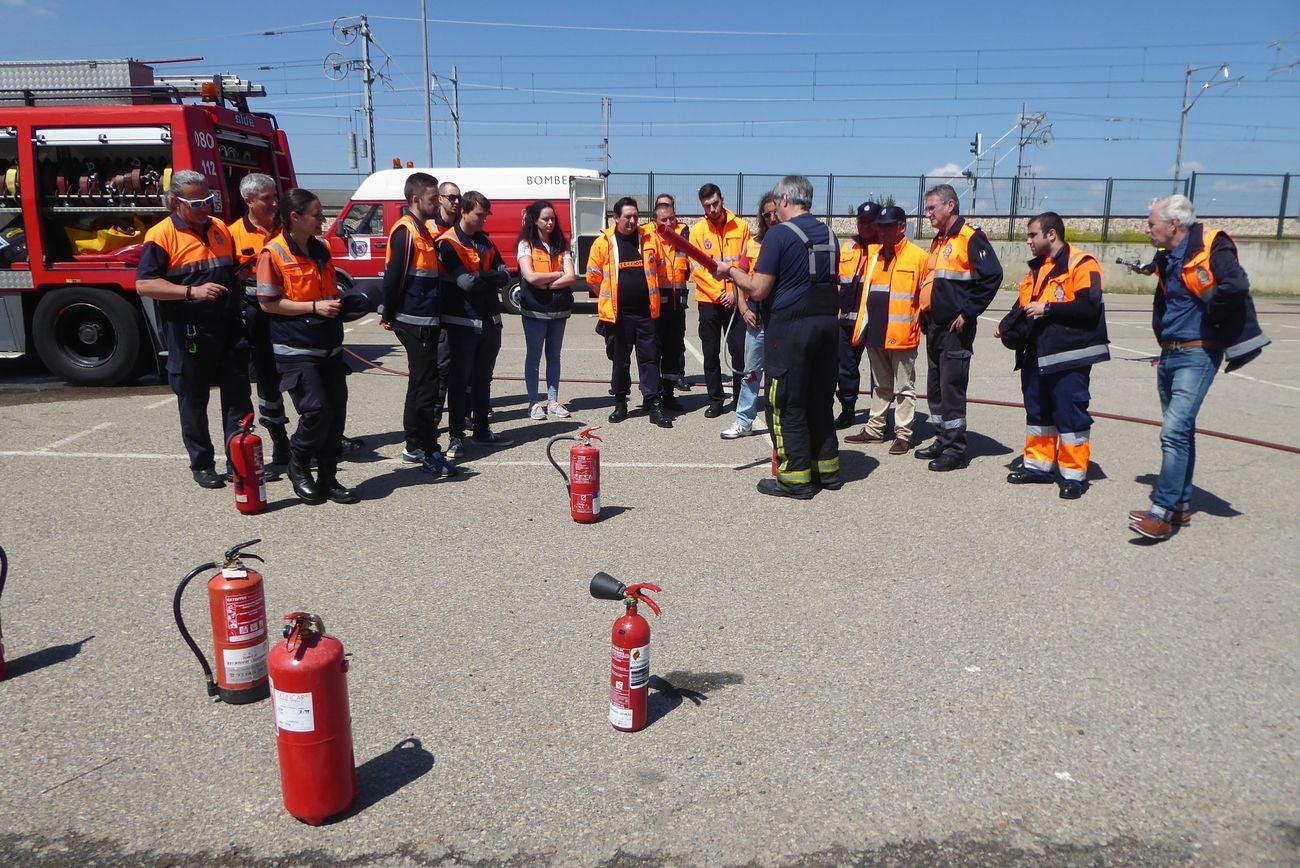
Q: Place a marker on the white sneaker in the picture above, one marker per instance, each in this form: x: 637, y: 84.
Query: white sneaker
x: 455, y: 449
x: 538, y: 411
x: 412, y: 456
x: 736, y: 431
x: 558, y: 410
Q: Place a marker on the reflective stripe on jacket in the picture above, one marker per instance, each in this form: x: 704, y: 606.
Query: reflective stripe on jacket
x: 889, y: 311
x: 193, y: 257
x: 856, y: 259
x: 725, y: 246
x: 602, y: 271
x: 677, y: 267
x: 955, y: 285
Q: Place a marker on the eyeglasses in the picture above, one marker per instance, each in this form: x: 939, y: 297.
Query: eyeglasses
x: 449, y: 197
x: 198, y: 203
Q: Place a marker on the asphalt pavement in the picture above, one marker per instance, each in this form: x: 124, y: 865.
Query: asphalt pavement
x: 920, y: 668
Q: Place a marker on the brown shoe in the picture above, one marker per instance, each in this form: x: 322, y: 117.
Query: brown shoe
x: 1153, y: 527
x: 864, y: 436
x: 901, y: 446
x: 1177, y: 518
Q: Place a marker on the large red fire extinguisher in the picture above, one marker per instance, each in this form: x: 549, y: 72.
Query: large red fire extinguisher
x: 583, y: 478
x: 247, y: 470
x: 237, y: 607
x: 629, y: 671
x: 4, y: 571
x: 313, y: 726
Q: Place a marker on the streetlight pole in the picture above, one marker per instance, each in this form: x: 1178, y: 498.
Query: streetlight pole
x: 1187, y: 107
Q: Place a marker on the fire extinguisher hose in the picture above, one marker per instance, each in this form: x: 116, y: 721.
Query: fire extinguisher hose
x: 185, y: 634
x: 549, y: 445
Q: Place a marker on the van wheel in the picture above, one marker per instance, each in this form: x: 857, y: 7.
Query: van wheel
x: 510, y: 298
x: 88, y: 336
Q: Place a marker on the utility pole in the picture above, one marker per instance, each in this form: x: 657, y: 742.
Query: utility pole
x: 606, y: 106
x: 1187, y: 107
x: 1034, y: 129
x: 455, y: 111
x: 428, y: 96
x: 337, y: 67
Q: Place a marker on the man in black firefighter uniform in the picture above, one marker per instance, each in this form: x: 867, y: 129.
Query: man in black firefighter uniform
x: 963, y: 276
x: 795, y: 282
x: 188, y: 264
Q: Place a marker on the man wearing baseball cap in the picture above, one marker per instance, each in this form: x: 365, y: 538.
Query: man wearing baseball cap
x: 888, y: 327
x: 857, y: 258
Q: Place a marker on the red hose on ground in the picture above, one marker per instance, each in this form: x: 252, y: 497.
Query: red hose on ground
x: 1118, y: 417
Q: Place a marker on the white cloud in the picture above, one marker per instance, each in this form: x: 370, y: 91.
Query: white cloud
x: 27, y: 6
x: 1189, y: 166
x: 948, y: 170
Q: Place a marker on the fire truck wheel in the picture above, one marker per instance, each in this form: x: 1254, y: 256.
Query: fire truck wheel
x: 510, y: 298
x: 87, y: 335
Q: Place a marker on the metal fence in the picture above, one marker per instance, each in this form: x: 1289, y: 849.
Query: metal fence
x: 1257, y: 205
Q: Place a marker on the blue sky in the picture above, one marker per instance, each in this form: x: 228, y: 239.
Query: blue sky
x: 849, y: 88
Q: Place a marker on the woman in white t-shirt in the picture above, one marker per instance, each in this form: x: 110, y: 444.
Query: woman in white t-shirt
x: 545, y: 302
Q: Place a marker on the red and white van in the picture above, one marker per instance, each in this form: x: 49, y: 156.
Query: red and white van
x: 358, y: 239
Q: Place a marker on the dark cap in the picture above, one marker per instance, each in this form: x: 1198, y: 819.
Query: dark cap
x: 869, y: 211
x: 892, y: 214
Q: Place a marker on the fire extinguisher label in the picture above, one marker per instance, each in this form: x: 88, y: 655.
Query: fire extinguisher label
x: 595, y: 503
x: 244, y: 665
x: 629, y: 670
x: 293, y: 711
x: 245, y: 617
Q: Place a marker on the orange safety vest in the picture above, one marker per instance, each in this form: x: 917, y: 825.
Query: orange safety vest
x: 249, y: 241
x: 1198, y: 277
x: 893, y: 291
x: 725, y: 246
x: 1062, y: 287
x: 856, y: 260
x: 194, y: 258
x: 677, y: 266
x: 419, y: 305
x: 470, y: 309
x: 603, y: 268
x: 283, y: 273
x: 543, y: 303
x: 949, y: 260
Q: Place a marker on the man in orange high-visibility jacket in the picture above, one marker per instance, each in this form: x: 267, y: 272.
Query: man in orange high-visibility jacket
x: 1061, y: 296
x: 625, y: 266
x: 722, y: 235
x: 671, y: 324
x: 963, y: 277
x: 888, y: 326
x: 187, y: 263
x: 858, y: 257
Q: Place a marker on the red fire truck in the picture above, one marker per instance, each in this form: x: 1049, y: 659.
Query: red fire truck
x: 87, y: 149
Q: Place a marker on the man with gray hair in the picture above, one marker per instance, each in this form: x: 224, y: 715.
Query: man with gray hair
x: 187, y: 263
x: 259, y: 224
x: 1203, y: 313
x: 963, y: 276
x: 796, y: 284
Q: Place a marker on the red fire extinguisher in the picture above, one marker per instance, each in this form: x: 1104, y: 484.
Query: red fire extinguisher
x: 583, y: 478
x: 629, y: 672
x: 4, y: 571
x: 247, y: 469
x: 313, y: 726
x: 237, y: 607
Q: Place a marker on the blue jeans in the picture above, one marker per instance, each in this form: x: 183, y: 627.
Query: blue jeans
x: 539, y: 333
x: 751, y: 384
x: 1182, y: 379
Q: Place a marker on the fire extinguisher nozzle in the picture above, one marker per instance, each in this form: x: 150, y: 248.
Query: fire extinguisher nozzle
x: 606, y: 587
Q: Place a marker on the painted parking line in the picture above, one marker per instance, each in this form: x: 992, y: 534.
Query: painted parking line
x: 74, y: 437
x: 164, y: 402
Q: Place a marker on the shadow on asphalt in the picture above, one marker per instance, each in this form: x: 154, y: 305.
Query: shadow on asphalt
x: 379, y: 777
x: 1202, y: 500
x: 51, y: 656
x: 678, y: 685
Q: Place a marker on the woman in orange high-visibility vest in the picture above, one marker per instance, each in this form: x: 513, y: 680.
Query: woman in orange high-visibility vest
x: 545, y: 302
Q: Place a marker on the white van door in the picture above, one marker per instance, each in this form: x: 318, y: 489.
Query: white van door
x: 587, y: 212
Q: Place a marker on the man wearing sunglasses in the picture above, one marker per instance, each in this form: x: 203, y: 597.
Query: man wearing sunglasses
x: 187, y: 264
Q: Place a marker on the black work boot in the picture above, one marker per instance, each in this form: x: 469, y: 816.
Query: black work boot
x: 620, y: 410
x: 847, y: 413
x: 670, y: 401
x: 279, y: 444
x: 655, y: 411
x: 303, y: 484
x: 328, y: 483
